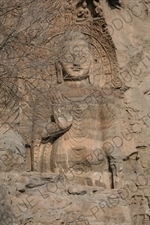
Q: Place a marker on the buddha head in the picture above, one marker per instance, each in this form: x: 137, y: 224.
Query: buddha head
x: 84, y: 5
x: 75, y: 58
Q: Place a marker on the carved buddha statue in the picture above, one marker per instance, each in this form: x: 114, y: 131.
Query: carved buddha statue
x: 81, y: 115
x: 83, y: 12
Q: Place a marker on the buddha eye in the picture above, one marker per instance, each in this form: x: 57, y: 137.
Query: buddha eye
x: 76, y: 49
x: 83, y: 57
x: 68, y: 58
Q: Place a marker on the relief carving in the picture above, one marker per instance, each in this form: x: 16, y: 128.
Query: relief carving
x: 140, y: 210
x: 89, y: 10
x: 83, y: 118
x: 69, y: 6
x: 98, y: 9
x: 65, y: 130
x: 83, y: 12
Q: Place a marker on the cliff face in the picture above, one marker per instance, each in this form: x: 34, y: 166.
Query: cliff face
x: 48, y: 174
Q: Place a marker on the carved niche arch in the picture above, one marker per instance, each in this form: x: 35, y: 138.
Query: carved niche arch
x: 105, y: 72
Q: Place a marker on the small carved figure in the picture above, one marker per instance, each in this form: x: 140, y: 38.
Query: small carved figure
x: 139, y: 206
x: 98, y: 9
x: 17, y: 10
x: 69, y: 7
x: 83, y: 12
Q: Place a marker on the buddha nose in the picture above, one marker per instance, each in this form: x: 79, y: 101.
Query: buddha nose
x: 76, y: 61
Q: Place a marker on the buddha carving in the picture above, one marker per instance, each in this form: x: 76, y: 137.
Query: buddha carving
x: 83, y: 12
x: 81, y: 116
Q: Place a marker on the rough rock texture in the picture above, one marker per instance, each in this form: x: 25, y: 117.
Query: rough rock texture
x: 74, y: 112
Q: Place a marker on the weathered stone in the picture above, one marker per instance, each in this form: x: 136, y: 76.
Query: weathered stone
x: 74, y: 108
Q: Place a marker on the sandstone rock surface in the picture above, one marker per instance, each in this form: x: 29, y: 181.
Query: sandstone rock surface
x: 75, y: 116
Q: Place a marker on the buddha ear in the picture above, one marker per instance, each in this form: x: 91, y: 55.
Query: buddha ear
x: 59, y: 73
x: 91, y: 77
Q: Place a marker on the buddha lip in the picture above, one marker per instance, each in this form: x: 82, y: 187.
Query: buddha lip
x: 76, y: 69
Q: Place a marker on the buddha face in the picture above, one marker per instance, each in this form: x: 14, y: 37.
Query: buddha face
x: 76, y: 60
